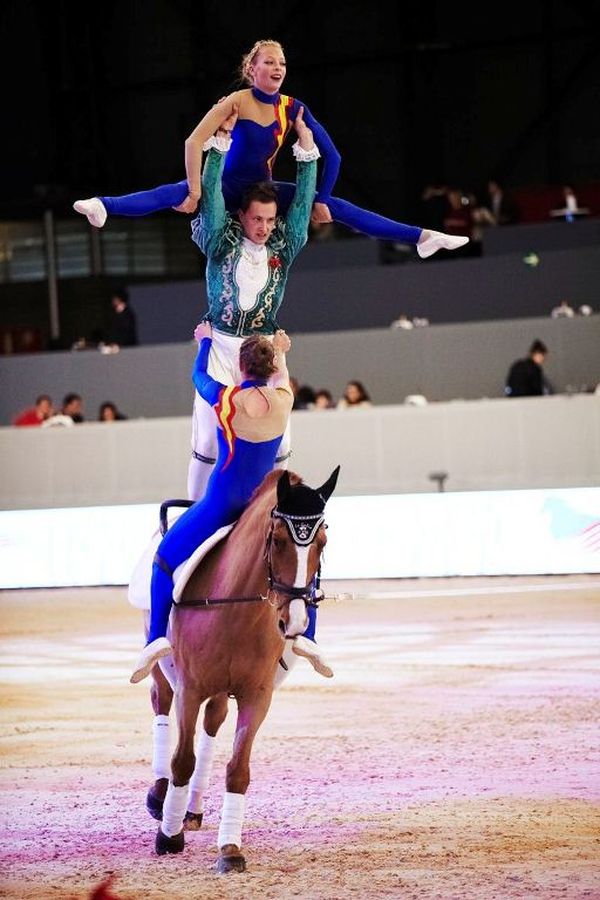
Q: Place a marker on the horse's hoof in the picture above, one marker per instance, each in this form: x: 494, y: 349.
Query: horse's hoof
x: 154, y: 803
x: 228, y: 864
x: 166, y: 844
x: 192, y: 821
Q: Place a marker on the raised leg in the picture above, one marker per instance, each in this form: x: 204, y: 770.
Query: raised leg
x: 251, y: 714
x: 214, y: 716
x: 143, y: 203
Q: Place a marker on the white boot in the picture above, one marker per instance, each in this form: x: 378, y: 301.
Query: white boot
x: 432, y: 241
x: 151, y: 653
x: 94, y: 209
x: 303, y: 646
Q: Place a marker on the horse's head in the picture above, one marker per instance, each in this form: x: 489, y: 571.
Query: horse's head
x: 295, y: 544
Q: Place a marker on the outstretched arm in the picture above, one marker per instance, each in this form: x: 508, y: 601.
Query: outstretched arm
x: 208, y: 228
x: 281, y: 345
x: 194, y: 144
x: 331, y: 163
x: 207, y: 387
x: 298, y: 215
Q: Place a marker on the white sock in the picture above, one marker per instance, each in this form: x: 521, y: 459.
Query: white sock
x: 232, y: 819
x: 161, y: 747
x: 174, y: 809
x: 205, y: 752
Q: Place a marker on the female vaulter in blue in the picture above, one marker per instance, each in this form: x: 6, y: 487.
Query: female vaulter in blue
x: 265, y: 117
x: 251, y: 419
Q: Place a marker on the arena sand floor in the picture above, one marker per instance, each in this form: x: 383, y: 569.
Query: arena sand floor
x: 454, y: 754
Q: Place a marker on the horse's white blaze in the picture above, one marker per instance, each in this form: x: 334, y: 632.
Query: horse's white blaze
x: 302, y: 566
x: 298, y: 619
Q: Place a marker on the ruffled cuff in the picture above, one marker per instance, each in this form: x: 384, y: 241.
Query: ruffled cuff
x: 302, y: 155
x: 218, y: 142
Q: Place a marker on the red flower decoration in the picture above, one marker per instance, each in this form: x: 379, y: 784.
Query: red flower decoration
x: 275, y: 262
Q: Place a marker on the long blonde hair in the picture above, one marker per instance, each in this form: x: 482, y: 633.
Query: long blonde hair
x: 249, y: 58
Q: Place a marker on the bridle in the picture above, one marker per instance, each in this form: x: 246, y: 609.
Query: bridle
x: 303, y: 530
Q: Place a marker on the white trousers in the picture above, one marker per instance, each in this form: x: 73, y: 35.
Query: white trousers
x: 223, y: 366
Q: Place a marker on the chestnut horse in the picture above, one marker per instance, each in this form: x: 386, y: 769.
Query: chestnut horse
x: 228, y: 632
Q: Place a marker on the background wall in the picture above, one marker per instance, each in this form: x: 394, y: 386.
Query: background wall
x: 444, y: 362
x: 464, y: 90
x: 547, y: 442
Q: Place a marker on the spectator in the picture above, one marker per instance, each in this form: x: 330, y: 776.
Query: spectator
x: 526, y: 376
x: 461, y: 219
x: 122, y: 327
x: 563, y: 311
x: 73, y: 408
x: 304, y: 398
x: 501, y: 208
x: 402, y: 322
x: 355, y: 395
x: 585, y: 310
x: 108, y: 412
x: 323, y: 399
x: 37, y: 414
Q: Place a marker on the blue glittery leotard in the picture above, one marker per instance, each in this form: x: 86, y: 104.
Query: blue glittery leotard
x: 251, y: 158
x: 240, y: 468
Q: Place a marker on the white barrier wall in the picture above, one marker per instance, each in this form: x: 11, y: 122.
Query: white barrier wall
x: 392, y: 536
x: 545, y: 442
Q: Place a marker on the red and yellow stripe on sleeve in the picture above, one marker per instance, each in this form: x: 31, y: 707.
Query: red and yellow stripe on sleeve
x: 225, y: 411
x: 282, y: 118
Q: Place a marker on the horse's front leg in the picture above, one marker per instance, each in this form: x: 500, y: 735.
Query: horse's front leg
x: 251, y: 713
x: 169, y: 838
x: 161, y: 697
x: 215, y: 714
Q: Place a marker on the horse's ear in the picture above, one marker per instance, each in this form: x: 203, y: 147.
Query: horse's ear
x: 283, y: 487
x: 327, y: 489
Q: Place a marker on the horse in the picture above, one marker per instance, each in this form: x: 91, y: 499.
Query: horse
x: 229, y: 631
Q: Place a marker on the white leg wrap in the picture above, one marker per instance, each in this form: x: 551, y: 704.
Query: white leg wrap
x: 174, y: 809
x: 232, y: 819
x: 161, y: 747
x: 205, y: 752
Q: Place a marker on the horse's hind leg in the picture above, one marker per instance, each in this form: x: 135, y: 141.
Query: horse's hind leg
x: 169, y: 838
x: 161, y: 697
x: 251, y: 714
x: 215, y: 714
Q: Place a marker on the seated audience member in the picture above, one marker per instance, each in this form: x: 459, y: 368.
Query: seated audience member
x: 402, y: 322
x: 355, y: 395
x: 37, y: 414
x: 73, y: 408
x: 585, y: 310
x: 526, y: 376
x: 108, y: 412
x: 324, y: 400
x: 563, y: 311
x: 304, y: 398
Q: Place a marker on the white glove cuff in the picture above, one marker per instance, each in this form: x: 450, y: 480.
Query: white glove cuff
x: 218, y: 142
x: 302, y: 155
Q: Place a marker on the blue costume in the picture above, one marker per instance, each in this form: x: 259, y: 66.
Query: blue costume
x: 240, y: 468
x: 251, y: 159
